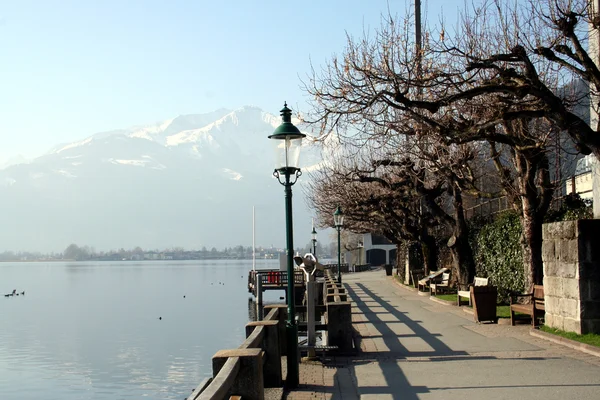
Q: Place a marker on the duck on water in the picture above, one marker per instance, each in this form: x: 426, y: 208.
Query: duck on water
x: 14, y: 293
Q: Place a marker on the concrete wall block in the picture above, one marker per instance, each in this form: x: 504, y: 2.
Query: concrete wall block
x: 550, y: 267
x: 270, y: 344
x: 570, y: 288
x: 569, y: 308
x: 552, y: 305
x: 568, y: 251
x: 339, y: 325
x: 282, y: 314
x: 572, y: 325
x: 548, y: 251
x: 249, y: 382
x: 557, y: 322
x: 553, y: 286
x: 557, y: 230
x: 548, y: 318
x: 567, y: 270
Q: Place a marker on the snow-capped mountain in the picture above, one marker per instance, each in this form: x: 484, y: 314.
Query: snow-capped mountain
x: 189, y: 181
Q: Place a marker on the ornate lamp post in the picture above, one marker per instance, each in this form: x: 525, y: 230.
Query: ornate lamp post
x: 287, y: 140
x: 314, y: 241
x: 338, y: 220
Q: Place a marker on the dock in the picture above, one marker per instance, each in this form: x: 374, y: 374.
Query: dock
x: 272, y: 279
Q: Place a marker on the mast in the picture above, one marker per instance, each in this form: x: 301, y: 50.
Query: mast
x: 253, y: 242
x: 418, y: 39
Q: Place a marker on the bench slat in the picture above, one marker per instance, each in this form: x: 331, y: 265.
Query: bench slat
x: 535, y: 308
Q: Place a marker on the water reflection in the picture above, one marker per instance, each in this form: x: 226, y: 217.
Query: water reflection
x: 98, y: 336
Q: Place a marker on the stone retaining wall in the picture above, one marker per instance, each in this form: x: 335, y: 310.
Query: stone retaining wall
x: 571, y: 256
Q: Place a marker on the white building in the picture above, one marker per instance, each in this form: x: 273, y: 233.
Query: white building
x: 377, y: 250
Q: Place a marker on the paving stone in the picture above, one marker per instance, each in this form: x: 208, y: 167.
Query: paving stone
x: 406, y: 339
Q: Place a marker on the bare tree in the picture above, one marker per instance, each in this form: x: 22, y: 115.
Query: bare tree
x: 402, y: 196
x: 379, y: 90
x: 379, y: 202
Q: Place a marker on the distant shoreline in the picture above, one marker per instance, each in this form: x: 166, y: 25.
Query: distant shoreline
x: 144, y: 260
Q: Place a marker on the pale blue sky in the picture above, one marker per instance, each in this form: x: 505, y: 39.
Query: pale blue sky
x: 74, y: 68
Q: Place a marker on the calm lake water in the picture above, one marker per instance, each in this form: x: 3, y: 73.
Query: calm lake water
x: 92, y: 330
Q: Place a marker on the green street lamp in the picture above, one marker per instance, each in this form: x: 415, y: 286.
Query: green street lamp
x: 338, y: 221
x: 314, y: 241
x: 287, y: 141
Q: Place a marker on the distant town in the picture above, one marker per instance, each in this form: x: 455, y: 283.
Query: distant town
x: 86, y: 253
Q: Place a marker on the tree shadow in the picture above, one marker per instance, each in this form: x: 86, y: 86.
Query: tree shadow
x: 399, y: 337
x: 391, y: 338
x: 396, y: 384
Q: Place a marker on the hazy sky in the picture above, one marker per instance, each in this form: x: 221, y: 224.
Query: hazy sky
x: 74, y: 68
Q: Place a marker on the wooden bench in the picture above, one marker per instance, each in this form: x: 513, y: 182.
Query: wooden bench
x: 531, y: 304
x: 432, y: 277
x: 467, y: 293
x: 442, y: 286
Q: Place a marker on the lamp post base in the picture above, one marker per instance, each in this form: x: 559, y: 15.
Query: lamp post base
x: 293, y: 371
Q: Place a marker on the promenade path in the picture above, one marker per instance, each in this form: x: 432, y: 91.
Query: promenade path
x: 414, y: 348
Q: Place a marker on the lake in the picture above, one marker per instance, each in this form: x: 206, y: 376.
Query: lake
x: 92, y: 330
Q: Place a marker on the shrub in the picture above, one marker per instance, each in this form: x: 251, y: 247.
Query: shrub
x: 573, y: 207
x: 498, y: 254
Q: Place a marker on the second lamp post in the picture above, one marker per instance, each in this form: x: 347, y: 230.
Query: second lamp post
x: 314, y: 241
x: 338, y: 220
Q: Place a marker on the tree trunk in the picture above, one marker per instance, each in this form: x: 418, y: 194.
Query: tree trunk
x: 462, y: 259
x: 536, y: 189
x: 429, y: 253
x: 531, y: 244
x: 460, y: 248
x: 401, y: 261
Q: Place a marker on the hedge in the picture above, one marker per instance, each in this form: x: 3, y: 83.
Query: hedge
x: 498, y: 254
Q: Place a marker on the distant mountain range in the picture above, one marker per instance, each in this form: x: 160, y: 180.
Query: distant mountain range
x: 190, y: 181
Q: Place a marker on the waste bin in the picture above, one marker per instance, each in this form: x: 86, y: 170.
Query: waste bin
x: 388, y: 269
x: 484, y: 303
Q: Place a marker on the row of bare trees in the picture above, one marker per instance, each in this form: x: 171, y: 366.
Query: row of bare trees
x: 412, y: 133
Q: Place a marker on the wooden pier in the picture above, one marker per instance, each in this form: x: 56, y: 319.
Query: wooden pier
x: 272, y: 279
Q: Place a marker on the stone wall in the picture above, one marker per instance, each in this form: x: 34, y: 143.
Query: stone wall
x: 571, y: 255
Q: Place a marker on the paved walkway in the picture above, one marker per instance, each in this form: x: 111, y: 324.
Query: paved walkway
x: 414, y: 348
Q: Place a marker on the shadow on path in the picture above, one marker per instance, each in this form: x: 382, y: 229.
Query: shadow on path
x: 390, y: 341
x: 391, y: 338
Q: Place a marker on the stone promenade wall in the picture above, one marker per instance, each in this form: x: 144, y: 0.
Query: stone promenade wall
x: 571, y: 255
